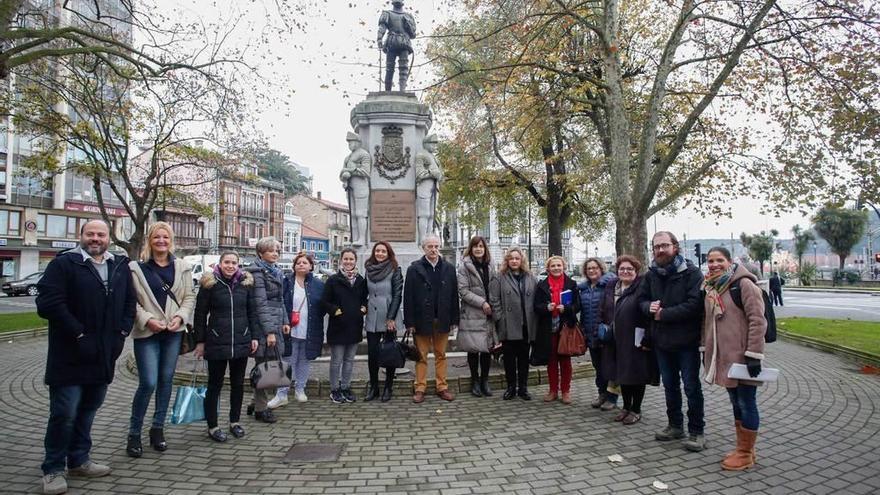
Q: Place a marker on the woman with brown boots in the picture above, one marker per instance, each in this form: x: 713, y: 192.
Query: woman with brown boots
x: 733, y: 332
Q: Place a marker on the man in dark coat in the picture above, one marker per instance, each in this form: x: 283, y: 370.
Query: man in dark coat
x: 430, y: 311
x: 776, y: 283
x: 87, y: 295
x: 671, y: 296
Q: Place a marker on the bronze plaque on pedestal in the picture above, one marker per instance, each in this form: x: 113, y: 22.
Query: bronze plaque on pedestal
x: 392, y: 215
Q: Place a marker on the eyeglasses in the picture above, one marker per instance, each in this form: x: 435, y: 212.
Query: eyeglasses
x: 662, y: 247
x: 626, y: 269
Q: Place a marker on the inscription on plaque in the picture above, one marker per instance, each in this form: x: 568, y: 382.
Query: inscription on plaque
x: 393, y: 215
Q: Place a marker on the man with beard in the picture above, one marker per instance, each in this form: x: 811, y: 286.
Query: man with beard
x: 87, y: 296
x: 671, y: 296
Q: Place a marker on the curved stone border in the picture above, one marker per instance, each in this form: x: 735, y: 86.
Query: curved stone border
x: 24, y: 334
x: 840, y: 350
x: 537, y: 376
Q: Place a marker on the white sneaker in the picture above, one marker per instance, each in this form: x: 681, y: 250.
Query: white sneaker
x: 278, y: 401
x: 301, y: 397
x: 54, y: 483
x: 90, y: 470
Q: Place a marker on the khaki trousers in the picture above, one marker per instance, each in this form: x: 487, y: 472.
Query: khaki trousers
x: 436, y: 343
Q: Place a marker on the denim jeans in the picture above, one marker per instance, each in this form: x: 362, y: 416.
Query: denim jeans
x: 601, y: 379
x: 677, y: 366
x: 156, y: 358
x: 745, y: 405
x: 341, y: 365
x: 72, y: 410
x: 299, y: 364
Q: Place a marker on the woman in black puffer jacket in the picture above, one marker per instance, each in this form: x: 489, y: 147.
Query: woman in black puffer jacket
x: 225, y: 317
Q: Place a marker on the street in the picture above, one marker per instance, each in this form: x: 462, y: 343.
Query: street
x: 18, y: 304
x: 861, y: 307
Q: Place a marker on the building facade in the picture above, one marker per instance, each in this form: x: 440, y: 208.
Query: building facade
x: 318, y: 246
x: 329, y: 219
x: 248, y: 208
x: 290, y: 240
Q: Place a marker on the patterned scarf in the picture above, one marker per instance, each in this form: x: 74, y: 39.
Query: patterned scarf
x: 350, y: 275
x: 271, y: 268
x: 715, y: 285
x: 667, y: 270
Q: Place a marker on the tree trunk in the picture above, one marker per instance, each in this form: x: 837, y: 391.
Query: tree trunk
x: 631, y: 236
x: 554, y: 202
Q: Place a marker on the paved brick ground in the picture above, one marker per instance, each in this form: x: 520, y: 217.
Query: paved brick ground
x: 819, y: 435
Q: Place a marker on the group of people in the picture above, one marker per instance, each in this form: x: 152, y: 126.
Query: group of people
x: 640, y: 328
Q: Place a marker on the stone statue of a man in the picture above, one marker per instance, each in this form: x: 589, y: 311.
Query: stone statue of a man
x: 401, y: 28
x: 355, y: 177
x: 428, y: 178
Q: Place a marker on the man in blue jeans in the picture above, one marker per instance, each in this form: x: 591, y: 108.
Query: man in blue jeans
x: 87, y: 296
x: 671, y: 296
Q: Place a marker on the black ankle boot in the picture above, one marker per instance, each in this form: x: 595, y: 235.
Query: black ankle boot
x: 134, y: 447
x: 484, y: 387
x: 386, y: 394
x: 157, y: 439
x: 510, y: 393
x: 475, y: 387
x: 250, y: 409
x: 372, y: 392
x: 524, y: 393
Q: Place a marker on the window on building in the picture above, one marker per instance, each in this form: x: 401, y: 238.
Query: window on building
x: 56, y: 226
x: 9, y: 222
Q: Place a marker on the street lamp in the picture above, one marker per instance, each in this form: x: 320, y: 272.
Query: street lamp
x: 815, y: 256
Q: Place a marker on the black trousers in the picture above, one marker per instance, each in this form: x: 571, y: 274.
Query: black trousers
x: 216, y: 372
x: 479, y: 363
x: 373, y: 341
x: 632, y: 397
x: 776, y: 297
x: 516, y: 363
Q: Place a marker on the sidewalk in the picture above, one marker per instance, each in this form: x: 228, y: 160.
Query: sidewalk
x: 819, y: 434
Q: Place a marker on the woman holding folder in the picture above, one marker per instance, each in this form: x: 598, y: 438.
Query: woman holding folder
x: 627, y: 359
x: 557, y: 304
x: 733, y: 332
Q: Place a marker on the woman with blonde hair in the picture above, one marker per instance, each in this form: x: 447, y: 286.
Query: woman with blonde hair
x: 512, y: 296
x: 557, y: 304
x: 165, y: 302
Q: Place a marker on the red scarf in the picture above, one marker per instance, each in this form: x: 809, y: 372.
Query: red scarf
x: 556, y: 285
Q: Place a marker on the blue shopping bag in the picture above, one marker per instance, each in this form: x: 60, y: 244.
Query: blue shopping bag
x: 189, y: 405
x: 189, y: 402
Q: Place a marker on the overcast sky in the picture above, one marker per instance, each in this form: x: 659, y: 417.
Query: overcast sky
x: 334, y: 64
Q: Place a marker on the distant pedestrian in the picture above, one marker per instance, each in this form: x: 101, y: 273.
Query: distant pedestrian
x: 345, y: 301
x: 628, y: 360
x: 776, y: 283
x: 303, y: 342
x: 512, y: 295
x: 224, y: 323
x: 476, y: 332
x: 733, y: 335
x: 557, y: 303
x: 271, y: 315
x: 671, y: 296
x: 431, y: 311
x: 591, y: 296
x: 164, y: 289
x: 384, y: 317
x: 87, y: 296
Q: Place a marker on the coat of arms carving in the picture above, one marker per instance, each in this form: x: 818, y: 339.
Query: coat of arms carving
x: 392, y: 159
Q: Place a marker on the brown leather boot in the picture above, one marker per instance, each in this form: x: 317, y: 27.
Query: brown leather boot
x: 742, y: 459
x: 732, y: 453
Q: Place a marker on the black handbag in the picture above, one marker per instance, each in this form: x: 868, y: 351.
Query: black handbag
x: 391, y: 353
x: 272, y: 373
x: 409, y: 350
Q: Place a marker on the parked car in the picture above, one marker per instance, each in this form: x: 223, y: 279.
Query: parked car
x: 25, y: 286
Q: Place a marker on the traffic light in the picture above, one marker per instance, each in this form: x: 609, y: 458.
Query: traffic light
x: 698, y: 253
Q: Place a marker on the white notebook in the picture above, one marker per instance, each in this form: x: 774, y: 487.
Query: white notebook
x: 741, y: 372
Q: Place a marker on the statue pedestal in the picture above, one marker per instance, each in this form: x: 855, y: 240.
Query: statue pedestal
x: 392, y: 126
